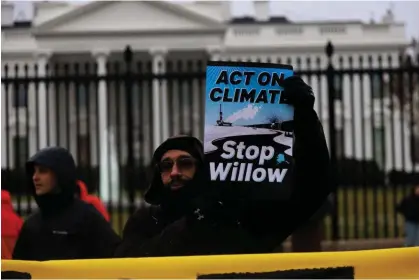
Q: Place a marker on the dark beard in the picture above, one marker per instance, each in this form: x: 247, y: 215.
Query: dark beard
x: 179, y: 200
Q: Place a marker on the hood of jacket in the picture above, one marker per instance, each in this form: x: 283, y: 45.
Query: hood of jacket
x: 157, y: 193
x: 11, y: 223
x: 82, y: 189
x: 6, y: 201
x: 61, y: 162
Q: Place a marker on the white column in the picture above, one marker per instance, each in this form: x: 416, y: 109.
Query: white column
x: 42, y: 58
x: 215, y: 52
x: 159, y: 98
x: 101, y: 57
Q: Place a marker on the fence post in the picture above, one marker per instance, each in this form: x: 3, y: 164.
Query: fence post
x: 130, y: 165
x: 332, y: 137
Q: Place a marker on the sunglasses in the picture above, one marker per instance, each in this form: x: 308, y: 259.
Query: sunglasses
x: 182, y: 164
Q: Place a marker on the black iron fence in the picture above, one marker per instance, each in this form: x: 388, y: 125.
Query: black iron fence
x: 369, y: 106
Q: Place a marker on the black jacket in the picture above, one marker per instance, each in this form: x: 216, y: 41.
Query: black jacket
x: 204, y: 222
x: 409, y: 208
x: 64, y: 227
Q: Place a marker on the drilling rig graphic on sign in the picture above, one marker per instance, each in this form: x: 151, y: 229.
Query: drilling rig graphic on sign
x: 221, y: 122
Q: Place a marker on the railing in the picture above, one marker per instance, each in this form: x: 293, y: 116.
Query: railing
x: 370, y: 115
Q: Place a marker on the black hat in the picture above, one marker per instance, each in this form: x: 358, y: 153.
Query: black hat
x: 181, y: 142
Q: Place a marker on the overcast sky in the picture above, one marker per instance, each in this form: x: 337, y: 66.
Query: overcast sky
x: 405, y: 11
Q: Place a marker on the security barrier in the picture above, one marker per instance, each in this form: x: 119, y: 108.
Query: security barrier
x: 386, y: 263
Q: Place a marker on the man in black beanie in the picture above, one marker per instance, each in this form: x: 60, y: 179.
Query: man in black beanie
x: 179, y: 177
x: 187, y: 214
x: 180, y: 206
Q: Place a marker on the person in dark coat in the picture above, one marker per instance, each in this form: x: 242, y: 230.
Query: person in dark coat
x: 64, y: 227
x: 185, y: 214
x: 409, y: 208
x: 179, y: 210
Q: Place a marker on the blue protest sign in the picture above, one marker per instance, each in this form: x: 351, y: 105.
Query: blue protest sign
x: 248, y: 128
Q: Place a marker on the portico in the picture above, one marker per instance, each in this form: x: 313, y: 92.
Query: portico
x: 159, y: 34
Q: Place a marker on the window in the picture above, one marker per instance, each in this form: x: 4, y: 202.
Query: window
x: 379, y: 146
x: 20, y: 96
x: 81, y: 96
x: 338, y: 87
x: 20, y: 151
x: 339, y: 143
x: 83, y: 142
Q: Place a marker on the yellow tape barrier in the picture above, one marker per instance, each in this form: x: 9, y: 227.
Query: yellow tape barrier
x: 387, y: 263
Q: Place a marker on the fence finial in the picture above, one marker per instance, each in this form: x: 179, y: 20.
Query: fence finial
x: 128, y: 54
x: 329, y: 49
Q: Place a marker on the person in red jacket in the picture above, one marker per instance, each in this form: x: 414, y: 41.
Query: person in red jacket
x: 11, y: 225
x: 92, y: 199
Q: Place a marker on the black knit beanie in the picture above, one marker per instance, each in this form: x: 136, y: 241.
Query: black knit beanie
x: 185, y: 143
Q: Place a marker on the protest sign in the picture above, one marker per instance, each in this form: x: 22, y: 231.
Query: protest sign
x: 248, y: 128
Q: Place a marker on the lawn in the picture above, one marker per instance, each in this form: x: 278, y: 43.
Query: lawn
x: 368, y: 213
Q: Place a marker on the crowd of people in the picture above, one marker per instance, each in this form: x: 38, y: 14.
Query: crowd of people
x: 184, y: 212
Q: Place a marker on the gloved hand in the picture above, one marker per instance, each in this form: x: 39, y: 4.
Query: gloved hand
x: 300, y: 95
x: 297, y: 93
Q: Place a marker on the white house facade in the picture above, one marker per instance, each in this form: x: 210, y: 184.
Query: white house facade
x: 160, y: 32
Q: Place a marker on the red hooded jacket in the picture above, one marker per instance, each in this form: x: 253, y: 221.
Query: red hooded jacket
x: 11, y: 225
x: 92, y: 199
